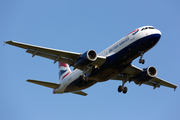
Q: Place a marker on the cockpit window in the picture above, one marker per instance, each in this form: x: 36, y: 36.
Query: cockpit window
x: 147, y: 28
x: 151, y: 27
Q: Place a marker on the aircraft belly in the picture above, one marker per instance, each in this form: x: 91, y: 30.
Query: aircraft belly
x: 102, y: 75
x: 79, y: 85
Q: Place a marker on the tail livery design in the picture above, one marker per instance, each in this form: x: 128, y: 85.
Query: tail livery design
x: 64, y: 70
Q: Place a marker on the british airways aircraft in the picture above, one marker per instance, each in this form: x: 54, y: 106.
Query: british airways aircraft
x: 113, y: 63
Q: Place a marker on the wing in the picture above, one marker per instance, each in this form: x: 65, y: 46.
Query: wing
x: 54, y: 54
x: 155, y: 82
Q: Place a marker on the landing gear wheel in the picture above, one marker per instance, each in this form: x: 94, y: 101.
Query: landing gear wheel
x: 125, y: 90
x: 120, y: 88
x: 141, y: 61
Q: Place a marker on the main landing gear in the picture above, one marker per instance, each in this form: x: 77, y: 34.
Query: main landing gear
x: 123, y: 88
x: 83, y: 78
x: 141, y: 56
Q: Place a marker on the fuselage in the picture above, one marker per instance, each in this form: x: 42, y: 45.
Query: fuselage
x: 119, y: 56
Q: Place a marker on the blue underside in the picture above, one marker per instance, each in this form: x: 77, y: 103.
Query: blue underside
x: 116, y: 63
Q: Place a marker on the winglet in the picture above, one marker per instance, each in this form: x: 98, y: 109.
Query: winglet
x: 4, y: 43
x: 8, y: 41
x: 175, y: 87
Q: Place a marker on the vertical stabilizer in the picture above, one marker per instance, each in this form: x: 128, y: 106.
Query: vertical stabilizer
x: 64, y: 70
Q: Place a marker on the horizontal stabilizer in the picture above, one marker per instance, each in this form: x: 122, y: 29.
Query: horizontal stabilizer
x: 46, y: 84
x: 80, y: 93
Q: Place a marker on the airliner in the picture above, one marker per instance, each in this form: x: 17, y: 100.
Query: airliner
x: 114, y: 63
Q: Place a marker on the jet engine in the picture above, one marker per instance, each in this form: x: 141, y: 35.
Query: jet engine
x: 85, y: 59
x: 146, y: 75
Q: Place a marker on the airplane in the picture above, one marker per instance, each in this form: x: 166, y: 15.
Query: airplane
x: 113, y: 63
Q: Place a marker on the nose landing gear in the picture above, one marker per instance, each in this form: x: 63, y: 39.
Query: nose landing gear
x: 141, y: 56
x: 141, y: 61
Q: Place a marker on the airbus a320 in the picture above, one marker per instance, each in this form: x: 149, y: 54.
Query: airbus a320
x: 113, y: 63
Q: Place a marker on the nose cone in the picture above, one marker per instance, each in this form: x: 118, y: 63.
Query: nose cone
x: 156, y: 35
x: 158, y: 32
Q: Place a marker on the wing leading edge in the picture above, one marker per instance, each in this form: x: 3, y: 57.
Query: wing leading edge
x: 155, y: 82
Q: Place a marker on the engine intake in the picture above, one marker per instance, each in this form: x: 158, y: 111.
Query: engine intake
x: 86, y: 58
x: 146, y: 75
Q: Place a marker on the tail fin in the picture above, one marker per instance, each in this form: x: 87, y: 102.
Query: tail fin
x: 64, y: 70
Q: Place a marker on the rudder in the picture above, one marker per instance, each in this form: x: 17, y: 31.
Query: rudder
x: 64, y: 70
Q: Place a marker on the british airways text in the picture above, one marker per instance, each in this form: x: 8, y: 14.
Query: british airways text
x: 118, y: 44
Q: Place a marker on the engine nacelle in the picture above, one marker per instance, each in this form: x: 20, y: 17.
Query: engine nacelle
x: 86, y: 58
x: 146, y: 75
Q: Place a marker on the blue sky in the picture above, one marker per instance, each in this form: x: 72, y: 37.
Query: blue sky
x: 78, y: 26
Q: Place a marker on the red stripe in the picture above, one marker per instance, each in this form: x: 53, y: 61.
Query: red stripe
x: 132, y: 32
x: 62, y: 64
x: 66, y: 75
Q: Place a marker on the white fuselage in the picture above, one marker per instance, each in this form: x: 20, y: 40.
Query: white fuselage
x: 112, y: 50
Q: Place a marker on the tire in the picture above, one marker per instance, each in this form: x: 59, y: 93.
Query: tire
x: 125, y: 90
x: 120, y: 88
x: 143, y: 61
